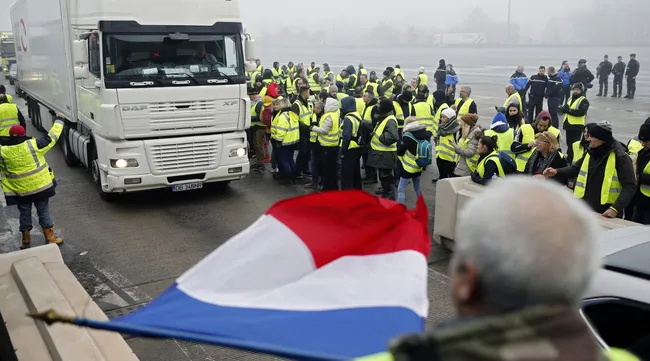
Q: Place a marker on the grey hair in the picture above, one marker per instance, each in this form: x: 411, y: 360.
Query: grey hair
x: 531, y: 242
x: 320, y: 105
x: 467, y: 89
x: 284, y: 103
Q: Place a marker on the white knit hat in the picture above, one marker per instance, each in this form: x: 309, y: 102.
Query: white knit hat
x: 449, y: 113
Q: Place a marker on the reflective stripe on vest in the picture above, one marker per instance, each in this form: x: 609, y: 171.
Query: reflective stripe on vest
x: 331, y: 139
x: 375, y: 143
x: 424, y: 117
x: 291, y: 86
x: 436, y: 118
x: 388, y: 93
x: 578, y: 151
x: 472, y: 162
x: 23, y: 166
x: 493, y: 157
x: 424, y: 79
x: 254, y: 114
x: 409, y: 162
x: 504, y: 140
x: 528, y: 136
x: 277, y: 75
x: 515, y: 95
x: 611, y: 185
x: 305, y: 113
x: 354, y: 119
x: 465, y: 108
x: 634, y: 146
x: 573, y: 105
x: 8, y: 118
x: 645, y: 188
x: 375, y: 88
x: 313, y: 84
x: 445, y: 150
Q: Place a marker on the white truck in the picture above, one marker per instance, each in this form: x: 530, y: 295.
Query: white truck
x: 153, y: 91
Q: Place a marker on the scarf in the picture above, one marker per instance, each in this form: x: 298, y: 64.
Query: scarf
x: 538, y: 162
x: 451, y: 127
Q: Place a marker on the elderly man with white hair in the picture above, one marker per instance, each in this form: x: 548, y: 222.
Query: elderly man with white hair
x: 513, y: 99
x: 465, y: 104
x: 517, y: 281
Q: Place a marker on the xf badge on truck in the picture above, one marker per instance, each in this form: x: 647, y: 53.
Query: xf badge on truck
x: 131, y: 108
x: 229, y: 103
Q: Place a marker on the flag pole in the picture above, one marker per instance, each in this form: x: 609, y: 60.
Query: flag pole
x: 51, y: 317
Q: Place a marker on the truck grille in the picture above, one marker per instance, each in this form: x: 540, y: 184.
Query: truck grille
x: 168, y: 158
x: 182, y: 115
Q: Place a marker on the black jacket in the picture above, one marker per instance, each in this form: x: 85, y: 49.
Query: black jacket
x: 632, y: 68
x: 597, y: 163
x: 537, y: 85
x: 582, y: 75
x: 440, y: 76
x: 582, y: 110
x: 640, y: 200
x: 618, y: 70
x: 554, y: 87
x: 604, y: 69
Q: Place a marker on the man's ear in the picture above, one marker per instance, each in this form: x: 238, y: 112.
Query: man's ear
x: 465, y: 287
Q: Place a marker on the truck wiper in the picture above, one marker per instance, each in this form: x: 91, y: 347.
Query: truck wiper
x: 192, y: 78
x: 154, y: 79
x: 226, y: 76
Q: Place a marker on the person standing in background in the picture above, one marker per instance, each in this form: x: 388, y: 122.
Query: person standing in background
x: 565, y: 75
x: 575, y: 113
x: 422, y: 78
x: 441, y: 75
x: 537, y: 86
x: 631, y: 72
x: 602, y: 73
x: 519, y: 80
x: 554, y: 95
x: 618, y: 70
x: 583, y: 75
x: 450, y: 83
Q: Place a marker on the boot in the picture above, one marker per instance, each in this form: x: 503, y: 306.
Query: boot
x: 50, y: 237
x: 27, y: 240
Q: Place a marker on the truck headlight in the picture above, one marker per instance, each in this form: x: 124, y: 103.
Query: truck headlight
x: 124, y: 163
x: 238, y: 152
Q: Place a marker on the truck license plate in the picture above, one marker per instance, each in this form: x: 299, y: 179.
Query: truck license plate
x: 187, y: 186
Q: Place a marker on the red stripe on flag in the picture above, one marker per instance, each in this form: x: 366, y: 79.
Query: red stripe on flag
x: 353, y: 223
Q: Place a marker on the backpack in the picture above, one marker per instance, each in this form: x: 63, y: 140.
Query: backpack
x: 424, y: 156
x: 509, y: 165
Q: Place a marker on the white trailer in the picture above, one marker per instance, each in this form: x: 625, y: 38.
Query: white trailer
x: 153, y: 92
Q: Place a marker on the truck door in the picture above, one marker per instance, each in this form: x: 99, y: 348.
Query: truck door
x: 88, y: 90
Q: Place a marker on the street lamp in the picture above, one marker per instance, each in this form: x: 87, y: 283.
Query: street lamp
x: 509, y: 5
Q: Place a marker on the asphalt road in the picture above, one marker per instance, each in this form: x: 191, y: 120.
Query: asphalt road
x: 127, y: 252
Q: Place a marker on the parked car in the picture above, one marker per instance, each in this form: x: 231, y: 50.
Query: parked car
x: 617, y: 305
x: 13, y: 73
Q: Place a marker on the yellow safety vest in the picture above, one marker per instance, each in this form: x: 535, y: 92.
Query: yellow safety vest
x: 8, y: 118
x: 528, y: 136
x: 613, y: 354
x: 375, y: 143
x: 634, y: 146
x: 313, y: 136
x: 388, y: 93
x: 356, y: 82
x: 465, y: 108
x: 399, y: 113
x: 339, y: 78
x: 472, y: 162
x: 291, y: 70
x: 431, y: 102
x: 263, y: 91
x: 10, y: 99
x: 341, y: 96
x: 277, y: 75
x: 504, y: 140
x: 423, y: 114
x: 291, y: 86
x: 367, y: 113
x: 424, y: 79
x: 611, y: 185
x: 23, y: 166
x: 578, y: 151
x: 361, y: 105
x: 254, y: 114
x: 445, y: 150
x: 515, y: 95
x: 375, y: 88
x: 645, y: 189
x: 553, y: 130
x: 409, y: 162
x: 355, y: 120
x: 436, y: 118
x: 332, y: 138
x: 327, y: 74
x: 284, y: 130
x: 573, y: 105
x: 305, y: 113
x: 492, y: 157
x: 363, y: 72
x: 313, y: 84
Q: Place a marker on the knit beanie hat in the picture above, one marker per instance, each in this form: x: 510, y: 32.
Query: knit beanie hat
x: 644, y: 133
x: 449, y: 113
x: 499, y: 119
x: 470, y: 119
x: 578, y: 86
x: 602, y: 131
x: 17, y: 131
x: 406, y: 96
x: 385, y: 106
x: 647, y: 121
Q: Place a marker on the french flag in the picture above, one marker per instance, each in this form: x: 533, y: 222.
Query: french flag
x: 329, y: 276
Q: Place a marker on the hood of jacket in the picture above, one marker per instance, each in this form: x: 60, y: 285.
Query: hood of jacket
x: 268, y: 74
x: 543, y: 114
x: 331, y: 105
x: 8, y: 141
x: 348, y: 105
x: 350, y: 69
x: 421, y: 133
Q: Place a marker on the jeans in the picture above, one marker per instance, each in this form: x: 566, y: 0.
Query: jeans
x: 351, y: 169
x: 43, y: 211
x: 641, y: 215
x: 285, y: 160
x: 401, y: 188
x: 553, y: 103
x: 329, y: 161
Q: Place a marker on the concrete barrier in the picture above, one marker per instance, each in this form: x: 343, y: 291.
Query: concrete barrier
x: 453, y: 193
x: 36, y: 280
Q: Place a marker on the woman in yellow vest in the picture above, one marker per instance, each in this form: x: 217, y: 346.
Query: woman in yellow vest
x: 525, y: 143
x: 445, y: 150
x: 27, y: 179
x: 285, y: 134
x: 545, y: 155
x: 467, y: 145
x: 407, y: 152
x: 489, y: 166
x: 329, y: 136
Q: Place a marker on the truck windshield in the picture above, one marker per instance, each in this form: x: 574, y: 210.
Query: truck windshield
x: 7, y: 49
x: 166, y: 58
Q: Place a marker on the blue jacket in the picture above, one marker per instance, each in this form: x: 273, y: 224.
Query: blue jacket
x: 565, y: 75
x: 519, y: 81
x: 452, y: 79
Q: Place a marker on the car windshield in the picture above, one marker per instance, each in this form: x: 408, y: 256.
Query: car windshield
x: 166, y: 56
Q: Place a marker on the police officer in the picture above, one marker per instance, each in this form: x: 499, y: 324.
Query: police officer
x: 631, y: 73
x: 10, y: 115
x: 554, y: 95
x: 618, y: 70
x: 602, y: 73
x: 27, y: 178
x: 537, y: 86
x: 582, y: 75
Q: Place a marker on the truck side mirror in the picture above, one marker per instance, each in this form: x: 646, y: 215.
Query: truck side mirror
x: 81, y: 72
x: 80, y: 51
x: 249, y: 48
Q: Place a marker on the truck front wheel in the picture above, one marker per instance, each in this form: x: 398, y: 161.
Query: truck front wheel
x: 97, y: 179
x: 69, y: 157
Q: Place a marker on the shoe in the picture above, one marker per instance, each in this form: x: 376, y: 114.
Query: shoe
x: 275, y: 170
x: 614, y: 96
x: 379, y: 191
x: 50, y: 237
x: 627, y: 97
x: 27, y: 240
x: 311, y: 186
x: 599, y: 95
x: 370, y: 181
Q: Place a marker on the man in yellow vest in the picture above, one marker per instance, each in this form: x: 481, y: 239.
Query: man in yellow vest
x: 387, y: 84
x: 302, y: 110
x: 422, y: 78
x: 3, y: 91
x: 404, y: 109
x: 27, y: 178
x: 525, y: 143
x: 383, y: 147
x: 329, y: 136
x: 314, y: 81
x: 605, y: 175
x: 257, y: 130
x: 513, y: 98
x: 641, y: 201
x: 575, y: 113
x: 465, y: 104
x: 10, y: 115
x: 351, y: 145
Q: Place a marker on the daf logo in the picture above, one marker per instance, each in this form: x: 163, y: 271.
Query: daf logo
x: 131, y: 108
x: 230, y: 103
